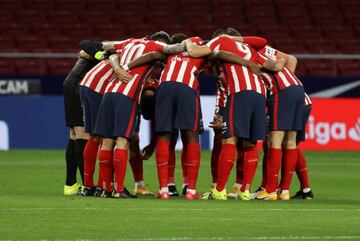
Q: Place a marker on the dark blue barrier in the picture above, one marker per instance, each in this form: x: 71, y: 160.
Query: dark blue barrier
x: 34, y: 121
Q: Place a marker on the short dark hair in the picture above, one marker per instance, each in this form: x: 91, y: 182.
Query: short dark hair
x: 177, y: 38
x: 218, y: 32
x: 232, y: 31
x: 161, y: 36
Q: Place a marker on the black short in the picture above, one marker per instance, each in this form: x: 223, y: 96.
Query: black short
x: 73, y: 110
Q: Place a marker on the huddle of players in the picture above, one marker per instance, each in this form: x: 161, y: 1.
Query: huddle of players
x: 116, y: 90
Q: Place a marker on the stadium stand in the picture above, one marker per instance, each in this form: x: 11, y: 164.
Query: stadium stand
x: 309, y: 26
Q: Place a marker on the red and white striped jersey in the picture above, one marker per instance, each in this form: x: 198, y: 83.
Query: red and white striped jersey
x: 130, y: 51
x: 307, y: 100
x: 98, y: 77
x: 238, y: 78
x: 182, y: 68
x: 284, y: 78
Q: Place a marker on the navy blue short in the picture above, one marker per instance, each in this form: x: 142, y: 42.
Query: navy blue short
x: 244, y: 116
x: 300, y: 136
x: 286, y: 109
x: 177, y: 107
x: 117, y: 116
x: 90, y: 102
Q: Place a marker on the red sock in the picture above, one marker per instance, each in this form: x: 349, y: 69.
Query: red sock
x: 301, y: 170
x: 193, y: 163
x: 251, y: 160
x: 120, y: 163
x: 162, y: 158
x: 264, y: 165
x: 171, y: 164
x: 90, y: 153
x: 215, y: 155
x: 282, y: 169
x: 290, y: 157
x: 183, y: 164
x: 106, y: 168
x: 100, y: 180
x: 226, y: 162
x: 273, y: 167
x: 136, y: 164
x: 240, y: 166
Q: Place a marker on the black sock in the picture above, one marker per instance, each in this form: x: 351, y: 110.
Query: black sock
x: 79, y: 154
x: 71, y: 165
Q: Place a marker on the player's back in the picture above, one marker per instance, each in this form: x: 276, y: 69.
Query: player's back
x: 131, y: 50
x: 238, y: 77
x: 183, y: 68
x: 284, y: 78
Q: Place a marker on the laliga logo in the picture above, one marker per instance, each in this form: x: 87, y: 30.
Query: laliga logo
x: 323, y: 132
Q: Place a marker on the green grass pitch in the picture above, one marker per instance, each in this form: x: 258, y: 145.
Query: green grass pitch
x: 32, y: 206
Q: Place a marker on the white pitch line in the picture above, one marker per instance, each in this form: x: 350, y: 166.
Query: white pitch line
x: 249, y: 238
x: 188, y: 209
x: 221, y: 238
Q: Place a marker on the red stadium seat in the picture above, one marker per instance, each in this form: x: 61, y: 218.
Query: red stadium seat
x: 31, y: 67
x: 95, y: 5
x: 60, y: 66
x: 274, y: 32
x: 194, y: 18
x: 110, y: 32
x: 227, y: 18
x: 203, y: 31
x: 159, y: 18
x: 39, y: 5
x: 301, y: 69
x: 6, y: 17
x: 321, y: 68
x: 127, y: 18
x: 96, y: 18
x: 69, y: 5
x: 246, y: 30
x: 30, y: 43
x: 44, y: 30
x: 349, y: 45
x: 13, y: 29
x: 291, y: 46
x: 30, y: 18
x: 7, y: 67
x: 349, y: 68
x: 140, y: 31
x: 306, y: 31
x: 327, y: 17
x: 321, y: 46
x: 10, y: 5
x: 338, y: 31
x: 63, y: 43
x: 63, y: 17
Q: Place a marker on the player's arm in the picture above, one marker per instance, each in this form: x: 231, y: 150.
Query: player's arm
x: 291, y: 60
x: 197, y: 51
x: 256, y: 42
x: 109, y: 45
x: 174, y: 49
x: 274, y: 66
x: 144, y: 59
x: 92, y: 48
x: 120, y: 73
x: 84, y: 55
x: 233, y: 58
